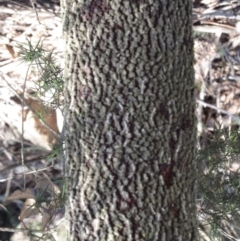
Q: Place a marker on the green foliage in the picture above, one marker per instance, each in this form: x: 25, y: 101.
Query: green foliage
x: 43, y: 63
x: 30, y: 53
x: 49, y: 197
x: 219, y: 184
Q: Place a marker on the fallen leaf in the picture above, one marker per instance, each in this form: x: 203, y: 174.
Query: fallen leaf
x: 21, y: 195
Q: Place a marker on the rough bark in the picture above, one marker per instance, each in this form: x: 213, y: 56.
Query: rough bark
x: 130, y: 134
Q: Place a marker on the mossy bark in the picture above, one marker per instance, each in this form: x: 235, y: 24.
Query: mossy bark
x: 130, y: 133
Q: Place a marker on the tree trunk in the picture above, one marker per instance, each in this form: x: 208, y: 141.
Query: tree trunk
x: 130, y: 133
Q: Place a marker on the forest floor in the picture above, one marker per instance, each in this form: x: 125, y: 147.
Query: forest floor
x: 217, y: 77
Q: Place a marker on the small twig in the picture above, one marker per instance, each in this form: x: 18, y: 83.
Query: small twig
x: 219, y: 110
x: 13, y: 230
x: 34, y: 8
x: 26, y: 161
x: 213, y: 29
x: 22, y: 134
x: 27, y: 173
x: 8, y: 186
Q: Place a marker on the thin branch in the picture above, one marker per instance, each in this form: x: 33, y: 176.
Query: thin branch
x: 27, y: 173
x: 33, y: 2
x: 13, y: 230
x: 26, y: 161
x: 22, y: 134
x: 236, y: 118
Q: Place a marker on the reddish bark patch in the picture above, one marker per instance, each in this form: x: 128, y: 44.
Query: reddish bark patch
x: 166, y: 170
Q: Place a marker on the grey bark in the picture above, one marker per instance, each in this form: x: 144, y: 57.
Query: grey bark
x: 130, y: 135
